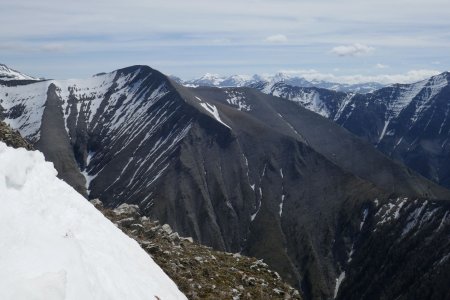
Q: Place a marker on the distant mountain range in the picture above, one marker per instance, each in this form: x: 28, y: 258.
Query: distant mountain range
x: 216, y: 80
x: 7, y: 74
x: 408, y: 122
x: 245, y: 171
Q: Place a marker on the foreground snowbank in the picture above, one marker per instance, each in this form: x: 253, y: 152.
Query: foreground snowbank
x: 56, y: 245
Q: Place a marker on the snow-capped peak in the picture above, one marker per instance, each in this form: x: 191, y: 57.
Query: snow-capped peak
x: 280, y: 77
x: 7, y: 74
x: 211, y: 76
x: 237, y: 81
x: 212, y: 79
x: 440, y: 80
x: 267, y: 80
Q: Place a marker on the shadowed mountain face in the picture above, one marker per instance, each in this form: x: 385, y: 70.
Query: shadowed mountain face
x: 411, y: 236
x: 408, y: 122
x: 233, y: 168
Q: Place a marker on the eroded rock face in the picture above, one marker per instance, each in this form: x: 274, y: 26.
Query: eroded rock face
x: 199, y: 271
x: 12, y: 137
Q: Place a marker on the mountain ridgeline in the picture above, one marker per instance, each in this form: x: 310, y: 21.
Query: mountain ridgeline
x: 408, y: 122
x: 242, y: 171
x: 215, y: 80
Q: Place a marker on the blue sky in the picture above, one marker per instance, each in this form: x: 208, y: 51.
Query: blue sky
x: 345, y: 40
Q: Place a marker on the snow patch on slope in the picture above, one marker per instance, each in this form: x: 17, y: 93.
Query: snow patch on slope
x: 89, y: 92
x: 391, y: 210
x: 212, y: 109
x: 431, y: 89
x: 55, y: 245
x: 339, y: 281
x: 30, y: 100
x: 237, y: 99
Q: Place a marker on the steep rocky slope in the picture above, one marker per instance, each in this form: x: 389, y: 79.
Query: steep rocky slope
x: 408, y: 122
x: 402, y: 251
x: 235, y: 169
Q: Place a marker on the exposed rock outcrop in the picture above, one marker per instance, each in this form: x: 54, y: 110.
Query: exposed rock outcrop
x: 13, y: 138
x: 199, y: 271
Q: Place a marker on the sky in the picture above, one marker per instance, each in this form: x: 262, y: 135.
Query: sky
x: 344, y: 40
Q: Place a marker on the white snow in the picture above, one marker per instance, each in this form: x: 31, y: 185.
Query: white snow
x: 361, y: 85
x: 252, y: 186
x: 90, y: 92
x: 339, y: 281
x: 212, y: 109
x: 383, y: 132
x: 282, y: 194
x: 365, y: 214
x: 253, y: 216
x: 259, y: 204
x: 350, y: 254
x: 8, y: 74
x: 308, y: 99
x: 237, y: 99
x: 376, y: 202
x: 32, y: 98
x: 281, y: 205
x: 443, y: 221
x: 407, y: 94
x: 55, y: 245
x: 431, y: 89
x: 86, y: 174
x: 221, y: 81
x: 421, y: 93
x: 391, y: 210
x: 210, y: 79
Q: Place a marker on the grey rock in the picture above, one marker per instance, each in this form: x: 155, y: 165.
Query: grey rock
x: 167, y: 229
x: 96, y: 202
x: 127, y: 222
x: 128, y: 210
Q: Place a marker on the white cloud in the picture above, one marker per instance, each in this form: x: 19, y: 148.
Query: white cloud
x: 278, y: 38
x: 355, y: 49
x: 381, y: 66
x: 408, y: 77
